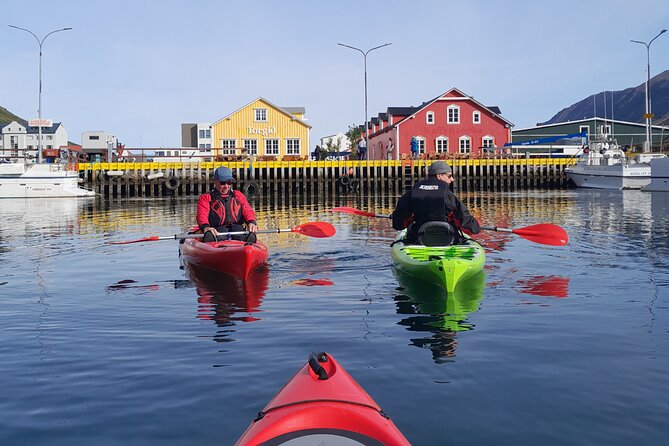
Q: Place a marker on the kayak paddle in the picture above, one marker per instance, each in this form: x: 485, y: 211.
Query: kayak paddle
x: 544, y: 233
x: 316, y: 229
x: 355, y: 211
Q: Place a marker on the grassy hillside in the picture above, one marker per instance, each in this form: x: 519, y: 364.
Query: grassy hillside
x: 6, y: 117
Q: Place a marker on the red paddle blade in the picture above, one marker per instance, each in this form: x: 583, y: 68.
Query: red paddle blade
x: 544, y: 233
x: 354, y: 211
x: 318, y: 229
x: 153, y: 238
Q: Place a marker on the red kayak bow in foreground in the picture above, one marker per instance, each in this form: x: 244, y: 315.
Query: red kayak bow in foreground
x: 544, y: 233
x: 322, y: 405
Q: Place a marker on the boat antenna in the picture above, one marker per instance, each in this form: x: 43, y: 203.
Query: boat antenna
x: 613, y: 133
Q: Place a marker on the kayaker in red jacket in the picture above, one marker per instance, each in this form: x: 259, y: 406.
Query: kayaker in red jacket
x: 430, y: 203
x: 224, y: 210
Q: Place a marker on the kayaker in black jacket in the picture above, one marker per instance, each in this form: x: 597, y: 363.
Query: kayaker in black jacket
x: 429, y: 204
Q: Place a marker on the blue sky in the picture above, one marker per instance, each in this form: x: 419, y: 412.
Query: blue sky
x: 138, y: 69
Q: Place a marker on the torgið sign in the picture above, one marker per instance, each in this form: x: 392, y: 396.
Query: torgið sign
x: 40, y: 123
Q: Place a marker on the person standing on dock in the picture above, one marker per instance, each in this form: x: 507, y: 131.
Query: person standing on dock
x: 431, y: 210
x: 225, y: 210
x: 362, y: 149
x: 414, y: 148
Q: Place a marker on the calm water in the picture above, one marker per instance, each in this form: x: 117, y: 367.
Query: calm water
x: 107, y: 345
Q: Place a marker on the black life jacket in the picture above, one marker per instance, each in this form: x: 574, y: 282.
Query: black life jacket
x: 428, y: 203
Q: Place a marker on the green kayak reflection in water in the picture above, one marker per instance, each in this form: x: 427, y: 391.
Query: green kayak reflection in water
x: 442, y: 314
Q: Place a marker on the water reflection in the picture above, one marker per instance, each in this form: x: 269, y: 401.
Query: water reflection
x: 221, y: 296
x: 549, y: 286
x: 432, y: 310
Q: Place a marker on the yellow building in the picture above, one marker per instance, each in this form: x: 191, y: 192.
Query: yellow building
x: 264, y: 130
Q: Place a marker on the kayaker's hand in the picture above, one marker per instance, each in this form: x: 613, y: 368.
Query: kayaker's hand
x: 253, y: 227
x: 213, y: 231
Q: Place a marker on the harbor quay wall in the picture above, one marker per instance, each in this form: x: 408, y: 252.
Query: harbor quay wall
x: 155, y: 179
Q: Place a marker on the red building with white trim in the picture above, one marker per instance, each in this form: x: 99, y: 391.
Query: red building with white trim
x: 452, y: 123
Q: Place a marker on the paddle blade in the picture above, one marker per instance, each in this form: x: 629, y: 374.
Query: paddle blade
x: 355, y: 211
x: 153, y: 238
x: 544, y: 233
x: 318, y: 229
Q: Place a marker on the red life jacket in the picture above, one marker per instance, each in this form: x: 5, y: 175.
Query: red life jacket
x: 224, y: 211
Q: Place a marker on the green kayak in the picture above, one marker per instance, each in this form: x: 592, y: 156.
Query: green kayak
x: 444, y: 265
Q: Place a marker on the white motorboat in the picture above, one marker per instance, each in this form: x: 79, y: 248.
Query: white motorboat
x: 604, y: 165
x: 659, y: 175
x: 38, y: 180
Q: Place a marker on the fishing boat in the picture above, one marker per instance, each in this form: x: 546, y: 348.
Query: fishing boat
x: 40, y: 180
x: 443, y: 265
x: 604, y: 165
x: 322, y: 405
x: 659, y: 176
x: 234, y: 257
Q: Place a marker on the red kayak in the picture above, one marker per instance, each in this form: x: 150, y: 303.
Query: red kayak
x: 322, y: 404
x: 233, y: 257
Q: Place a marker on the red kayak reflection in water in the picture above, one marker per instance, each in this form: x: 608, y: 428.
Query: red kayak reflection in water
x: 312, y: 282
x: 221, y: 296
x: 549, y: 286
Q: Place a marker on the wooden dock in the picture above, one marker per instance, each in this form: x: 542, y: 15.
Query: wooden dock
x: 155, y: 179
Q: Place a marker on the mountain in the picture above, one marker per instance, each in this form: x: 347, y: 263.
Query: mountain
x: 628, y: 104
x: 6, y: 117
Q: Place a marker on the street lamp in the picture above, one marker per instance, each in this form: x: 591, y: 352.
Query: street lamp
x: 364, y: 55
x: 39, y: 108
x: 648, y: 115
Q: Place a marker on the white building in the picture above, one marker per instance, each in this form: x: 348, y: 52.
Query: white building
x: 339, y: 141
x: 197, y: 135
x: 98, y: 142
x: 20, y: 140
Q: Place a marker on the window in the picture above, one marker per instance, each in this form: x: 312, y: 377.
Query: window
x: 93, y: 137
x: 453, y: 113
x: 261, y: 114
x: 228, y: 146
x: 292, y: 147
x: 201, y: 133
x: 488, y: 142
x: 429, y: 118
x: 207, y: 133
x: 421, y: 144
x: 207, y: 146
x: 201, y: 146
x: 465, y: 144
x: 476, y: 117
x: 251, y: 146
x: 442, y: 144
x: 584, y: 128
x: 271, y: 147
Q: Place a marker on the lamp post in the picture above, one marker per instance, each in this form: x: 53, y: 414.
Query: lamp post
x: 39, y: 107
x: 364, y: 55
x: 648, y: 115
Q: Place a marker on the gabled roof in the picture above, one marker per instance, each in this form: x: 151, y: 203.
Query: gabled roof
x: 282, y: 110
x: 494, y: 110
